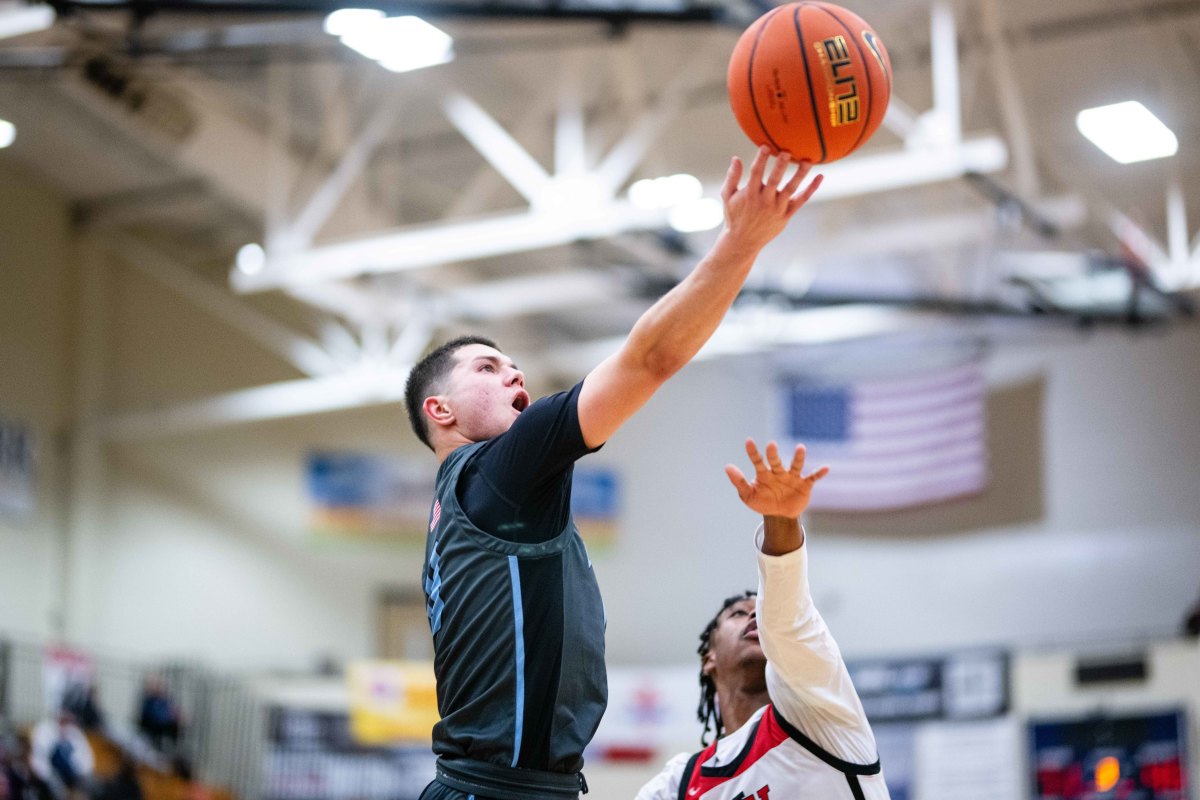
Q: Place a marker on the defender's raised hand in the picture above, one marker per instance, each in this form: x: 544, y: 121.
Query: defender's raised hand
x: 757, y: 212
x: 776, y: 490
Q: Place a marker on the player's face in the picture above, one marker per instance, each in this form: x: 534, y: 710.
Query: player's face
x: 486, y: 391
x: 734, y: 642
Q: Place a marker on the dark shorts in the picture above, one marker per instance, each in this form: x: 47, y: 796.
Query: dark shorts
x: 440, y: 791
x: 468, y: 780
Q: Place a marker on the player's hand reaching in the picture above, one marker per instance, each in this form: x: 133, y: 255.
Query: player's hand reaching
x: 776, y: 490
x: 757, y: 212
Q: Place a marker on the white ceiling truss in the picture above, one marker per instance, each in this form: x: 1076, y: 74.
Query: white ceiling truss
x: 385, y: 267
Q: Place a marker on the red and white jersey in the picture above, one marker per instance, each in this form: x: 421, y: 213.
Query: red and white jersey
x: 813, y: 739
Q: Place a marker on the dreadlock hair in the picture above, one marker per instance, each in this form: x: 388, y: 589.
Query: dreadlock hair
x: 426, y: 377
x: 707, y: 711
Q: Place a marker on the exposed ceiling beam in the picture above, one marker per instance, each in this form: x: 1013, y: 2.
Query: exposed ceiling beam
x: 273, y: 401
x: 630, y: 151
x: 299, y: 351
x: 947, y: 102
x: 866, y: 174
x: 763, y: 327
x: 1012, y: 106
x: 664, y: 12
x: 324, y: 201
x: 446, y: 242
x: 1134, y: 237
x: 231, y: 155
x: 496, y: 145
x: 942, y: 232
x: 533, y: 294
x: 570, y: 136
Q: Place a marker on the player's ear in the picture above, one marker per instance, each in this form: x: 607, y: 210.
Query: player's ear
x: 437, y: 410
x: 708, y: 665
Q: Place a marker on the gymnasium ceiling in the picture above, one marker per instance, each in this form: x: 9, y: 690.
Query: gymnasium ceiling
x: 400, y: 208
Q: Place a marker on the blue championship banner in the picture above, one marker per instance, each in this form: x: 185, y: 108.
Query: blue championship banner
x: 370, y: 496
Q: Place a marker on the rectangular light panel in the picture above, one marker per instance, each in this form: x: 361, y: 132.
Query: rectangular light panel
x: 1127, y: 132
x: 18, y: 20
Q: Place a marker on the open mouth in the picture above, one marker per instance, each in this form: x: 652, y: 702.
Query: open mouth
x: 751, y: 630
x: 520, y: 402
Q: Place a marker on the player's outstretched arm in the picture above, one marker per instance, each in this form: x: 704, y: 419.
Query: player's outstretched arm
x: 806, y: 677
x: 674, y: 329
x: 780, y: 493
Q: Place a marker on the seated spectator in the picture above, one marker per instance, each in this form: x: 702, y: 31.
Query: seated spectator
x: 61, y: 756
x: 124, y: 785
x: 1191, y: 622
x: 17, y: 778
x: 82, y: 701
x: 159, y: 720
x: 5, y: 758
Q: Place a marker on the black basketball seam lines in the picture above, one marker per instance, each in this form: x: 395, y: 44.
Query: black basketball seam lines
x: 812, y: 97
x: 750, y: 79
x: 870, y: 95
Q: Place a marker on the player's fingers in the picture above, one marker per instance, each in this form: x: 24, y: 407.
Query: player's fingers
x: 777, y: 172
x: 732, y: 177
x: 739, y: 481
x: 802, y: 168
x: 773, y: 457
x: 816, y: 476
x: 759, y: 167
x: 797, y: 202
x: 798, y: 460
x: 755, y: 457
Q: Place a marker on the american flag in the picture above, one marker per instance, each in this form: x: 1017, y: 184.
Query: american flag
x: 892, y: 443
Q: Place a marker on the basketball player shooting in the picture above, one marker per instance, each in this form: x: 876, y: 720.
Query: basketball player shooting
x: 515, y: 611
x: 788, y: 720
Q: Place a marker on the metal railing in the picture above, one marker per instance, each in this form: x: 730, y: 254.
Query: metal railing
x: 221, y: 740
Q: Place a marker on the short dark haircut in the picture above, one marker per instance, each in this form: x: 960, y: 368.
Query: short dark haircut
x: 426, y: 378
x: 707, y: 711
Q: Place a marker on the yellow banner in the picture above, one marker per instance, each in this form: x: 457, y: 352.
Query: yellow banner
x: 392, y: 702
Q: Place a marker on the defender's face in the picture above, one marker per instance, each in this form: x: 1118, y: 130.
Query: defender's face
x: 734, y: 642
x: 485, y: 391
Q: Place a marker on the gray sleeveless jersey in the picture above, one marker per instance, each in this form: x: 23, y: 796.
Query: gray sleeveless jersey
x: 518, y: 633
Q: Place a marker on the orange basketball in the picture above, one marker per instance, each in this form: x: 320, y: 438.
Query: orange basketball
x: 810, y: 78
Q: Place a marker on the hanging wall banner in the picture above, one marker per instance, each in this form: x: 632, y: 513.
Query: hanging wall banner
x: 960, y: 686
x: 313, y: 755
x: 595, y: 504
x: 392, y: 702
x: 18, y: 475
x: 371, y: 496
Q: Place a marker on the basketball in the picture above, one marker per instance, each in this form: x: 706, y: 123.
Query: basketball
x: 810, y: 78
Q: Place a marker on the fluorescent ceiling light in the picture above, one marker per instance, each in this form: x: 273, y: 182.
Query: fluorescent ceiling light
x: 17, y: 19
x: 1127, y: 132
x: 697, y: 215
x: 8, y: 133
x: 348, y: 20
x: 251, y: 258
x: 666, y: 192
x: 399, y: 44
